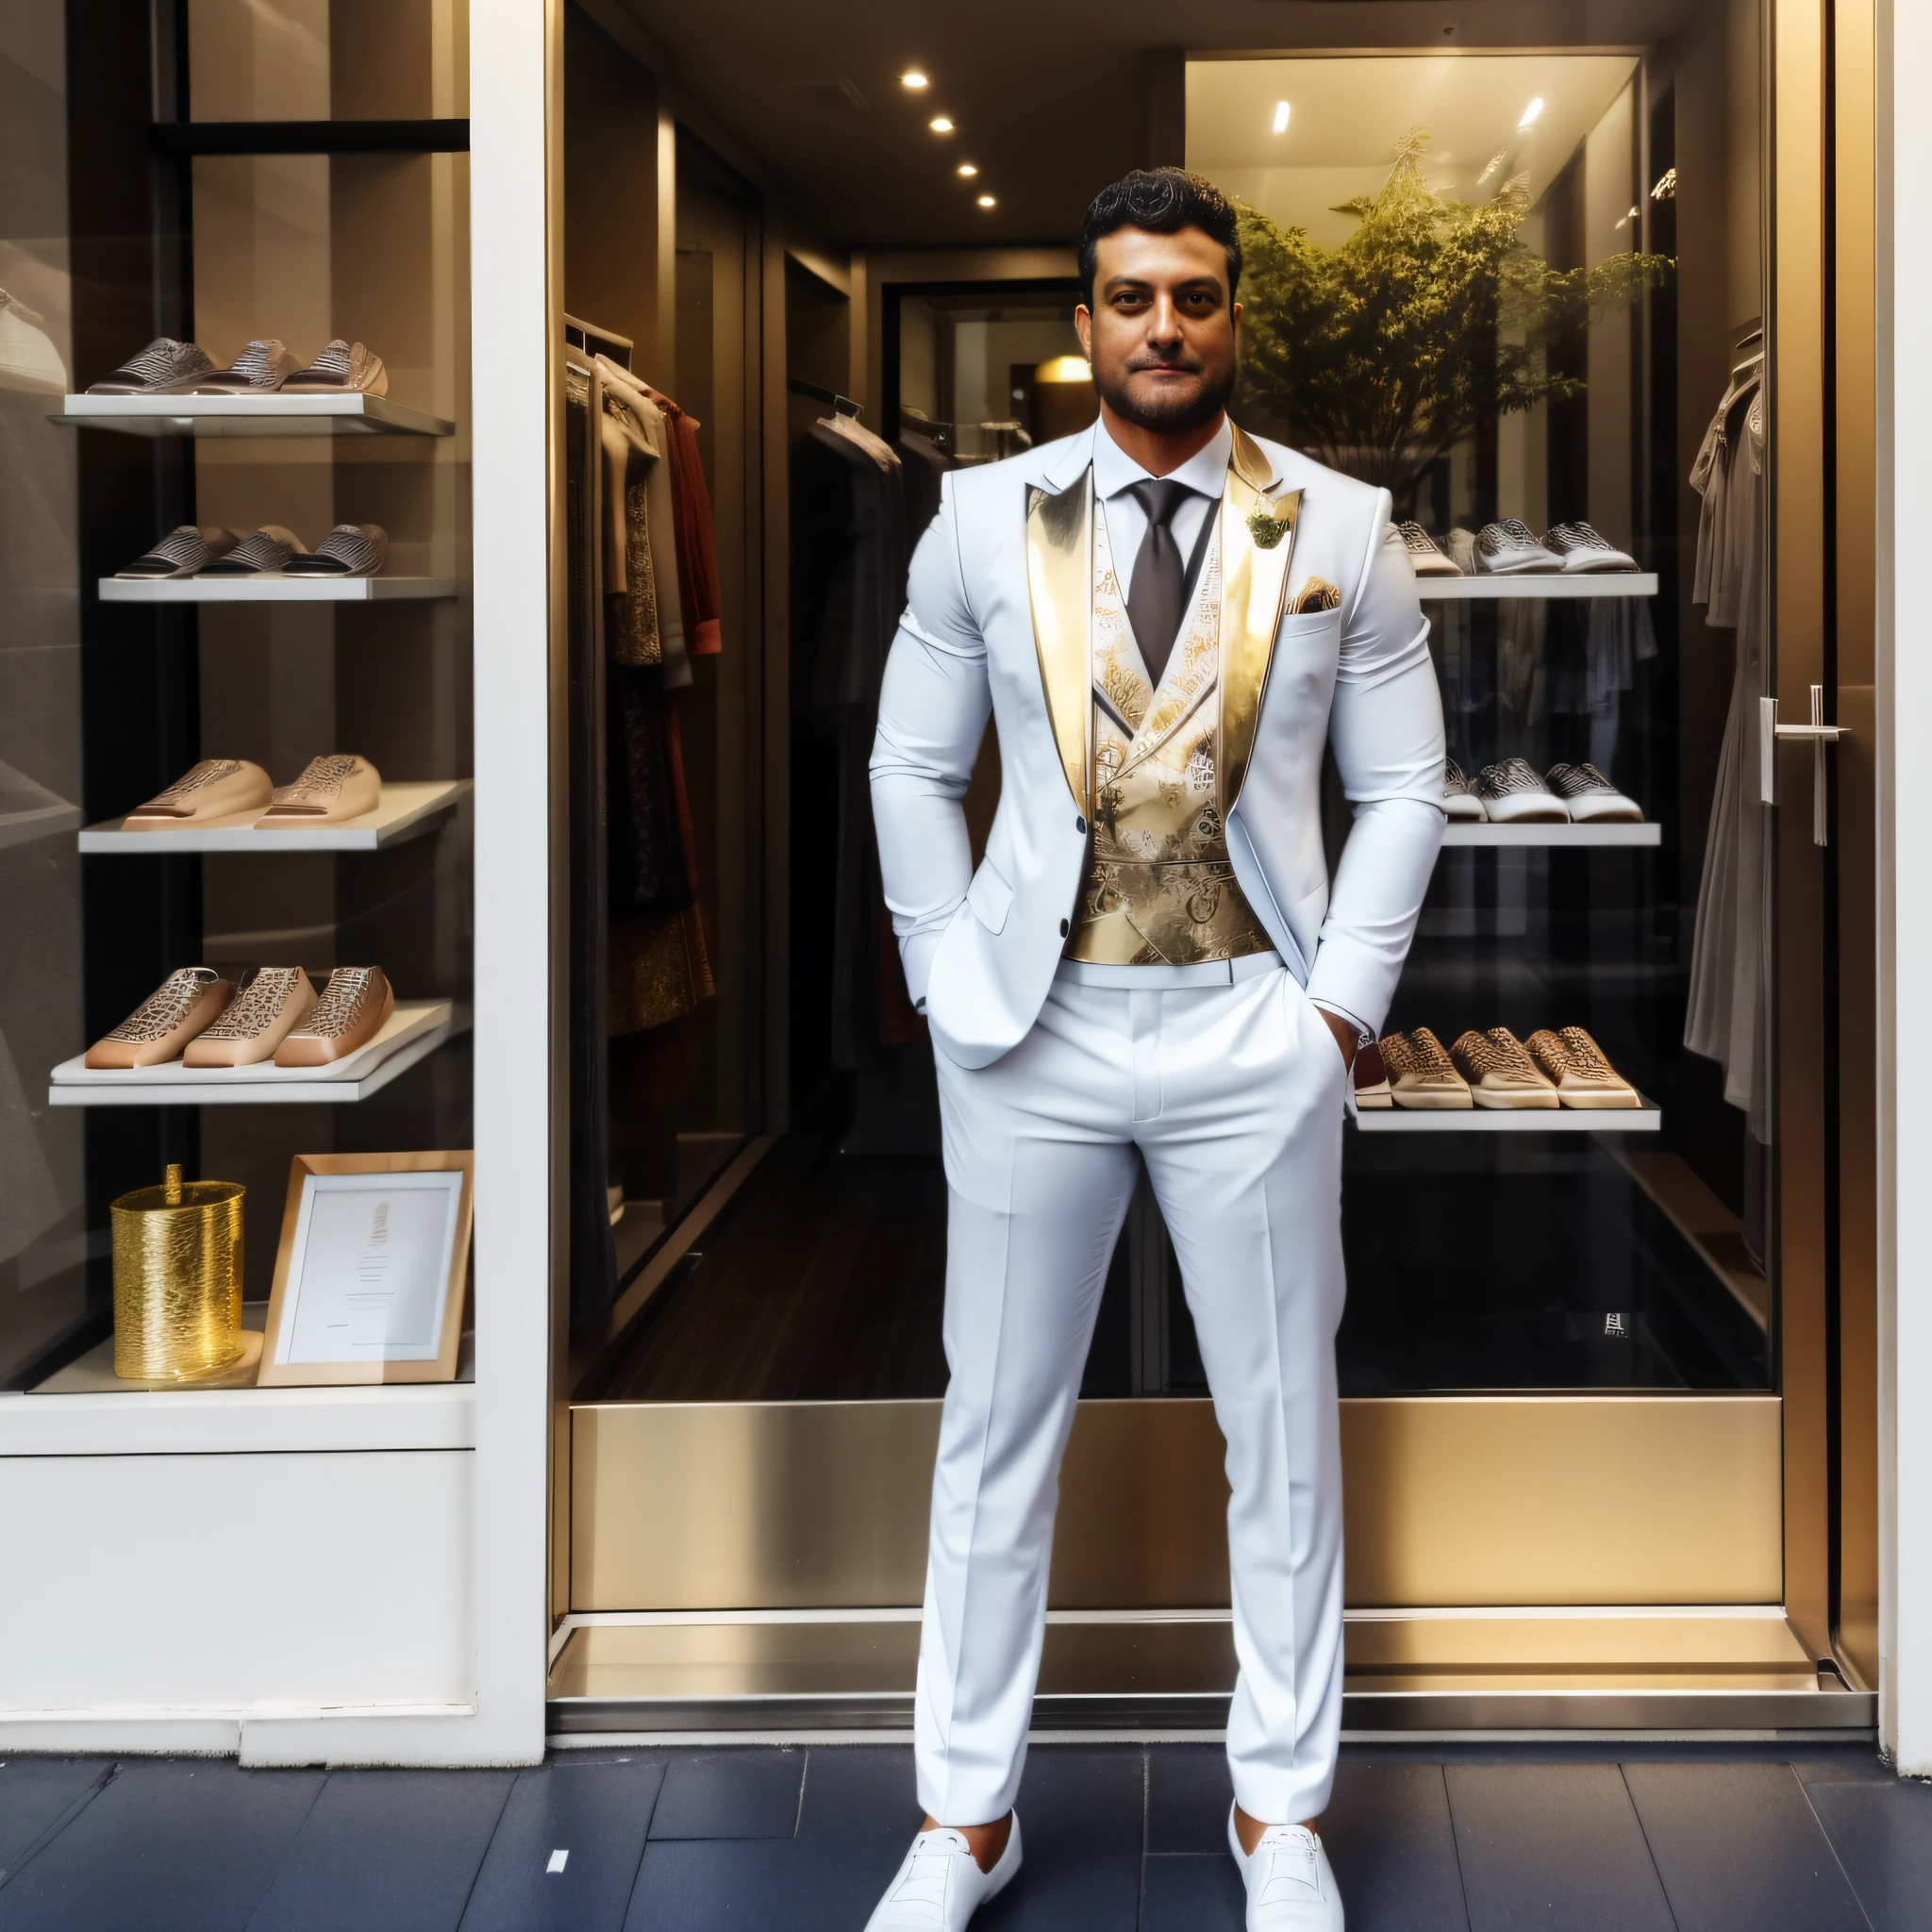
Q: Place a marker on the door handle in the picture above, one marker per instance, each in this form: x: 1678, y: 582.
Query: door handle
x: 1818, y: 734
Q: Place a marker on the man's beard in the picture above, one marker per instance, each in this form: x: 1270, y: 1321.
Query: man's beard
x: 1170, y: 415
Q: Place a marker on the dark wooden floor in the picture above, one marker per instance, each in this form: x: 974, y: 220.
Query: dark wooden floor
x: 1118, y: 1839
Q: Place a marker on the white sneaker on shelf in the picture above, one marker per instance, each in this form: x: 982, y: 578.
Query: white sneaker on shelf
x: 941, y: 1885
x: 1459, y: 799
x: 1291, y: 1886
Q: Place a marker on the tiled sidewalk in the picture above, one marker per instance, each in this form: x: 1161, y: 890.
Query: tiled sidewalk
x: 1682, y: 1839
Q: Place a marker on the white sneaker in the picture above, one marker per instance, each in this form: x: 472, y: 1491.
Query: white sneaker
x: 941, y: 1885
x: 1290, y: 1887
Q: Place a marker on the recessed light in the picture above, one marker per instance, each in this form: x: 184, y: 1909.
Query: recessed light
x: 967, y: 170
x: 986, y: 201
x: 1281, y: 117
x: 913, y: 79
x: 1530, y: 113
x: 939, y: 124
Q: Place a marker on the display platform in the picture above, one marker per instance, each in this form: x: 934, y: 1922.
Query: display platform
x: 414, y: 1030
x: 1626, y: 832
x: 265, y: 415
x: 271, y: 590
x: 1630, y: 583
x: 1647, y: 1119
x: 406, y: 811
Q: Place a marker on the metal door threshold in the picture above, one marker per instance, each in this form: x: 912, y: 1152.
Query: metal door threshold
x: 1146, y: 1673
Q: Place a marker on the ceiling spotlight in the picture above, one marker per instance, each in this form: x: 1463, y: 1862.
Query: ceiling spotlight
x: 986, y: 201
x: 967, y: 170
x: 914, y: 79
x: 1281, y: 117
x: 1530, y: 112
x: 941, y: 123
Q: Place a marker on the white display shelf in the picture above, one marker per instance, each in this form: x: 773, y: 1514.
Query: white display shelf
x: 413, y: 1031
x: 260, y: 415
x: 406, y: 811
x: 1609, y: 583
x: 1604, y: 832
x: 271, y: 589
x: 37, y: 822
x: 1647, y: 1119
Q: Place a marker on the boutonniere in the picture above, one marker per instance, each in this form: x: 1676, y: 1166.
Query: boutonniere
x: 1268, y: 529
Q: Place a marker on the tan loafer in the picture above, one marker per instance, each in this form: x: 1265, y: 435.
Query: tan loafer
x: 215, y: 789
x: 1500, y: 1072
x: 354, y: 1008
x: 330, y: 791
x: 1575, y: 1063
x: 188, y: 1000
x: 1420, y: 1073
x: 268, y: 1003
x: 343, y: 367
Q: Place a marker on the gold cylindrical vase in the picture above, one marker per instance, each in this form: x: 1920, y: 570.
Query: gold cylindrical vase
x: 177, y: 1279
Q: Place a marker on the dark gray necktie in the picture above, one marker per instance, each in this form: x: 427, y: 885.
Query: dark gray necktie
x: 1153, y: 601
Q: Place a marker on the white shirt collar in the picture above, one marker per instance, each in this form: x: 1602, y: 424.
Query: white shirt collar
x: 1206, y: 471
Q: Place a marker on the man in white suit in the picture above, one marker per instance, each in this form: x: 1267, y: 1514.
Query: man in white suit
x: 1170, y: 621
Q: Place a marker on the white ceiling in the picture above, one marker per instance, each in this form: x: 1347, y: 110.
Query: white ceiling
x: 1345, y: 117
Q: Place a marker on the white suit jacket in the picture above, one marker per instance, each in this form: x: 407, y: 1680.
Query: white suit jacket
x: 980, y: 948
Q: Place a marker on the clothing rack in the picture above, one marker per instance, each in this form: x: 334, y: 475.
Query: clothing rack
x: 580, y: 335
x: 844, y: 405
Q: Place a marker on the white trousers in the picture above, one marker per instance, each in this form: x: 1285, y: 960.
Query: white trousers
x: 1234, y: 1096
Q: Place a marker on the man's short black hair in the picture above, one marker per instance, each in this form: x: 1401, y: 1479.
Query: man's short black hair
x: 1163, y: 201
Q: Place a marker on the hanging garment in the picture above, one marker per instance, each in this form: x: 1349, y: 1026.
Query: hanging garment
x: 630, y: 583
x: 592, y: 1252
x: 697, y: 540
x: 1727, y: 1015
x: 661, y: 525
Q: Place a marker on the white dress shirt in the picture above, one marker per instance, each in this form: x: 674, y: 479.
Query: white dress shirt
x: 1115, y: 473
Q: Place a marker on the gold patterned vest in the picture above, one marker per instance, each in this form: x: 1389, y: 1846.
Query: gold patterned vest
x: 1160, y: 889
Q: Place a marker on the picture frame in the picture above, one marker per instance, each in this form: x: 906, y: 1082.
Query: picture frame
x: 372, y: 1270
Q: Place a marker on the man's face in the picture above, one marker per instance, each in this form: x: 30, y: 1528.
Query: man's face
x: 1161, y: 332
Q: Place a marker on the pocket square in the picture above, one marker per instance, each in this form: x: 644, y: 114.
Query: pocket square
x: 1316, y: 594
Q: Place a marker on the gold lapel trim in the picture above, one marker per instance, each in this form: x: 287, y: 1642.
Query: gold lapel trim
x: 1254, y: 581
x: 1059, y: 578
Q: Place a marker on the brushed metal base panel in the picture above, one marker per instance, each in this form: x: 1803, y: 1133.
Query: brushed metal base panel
x: 1655, y: 1670
x: 1450, y: 1500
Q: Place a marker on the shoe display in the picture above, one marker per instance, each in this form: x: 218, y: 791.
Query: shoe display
x: 1513, y: 794
x: 1500, y: 1072
x: 182, y: 552
x: 29, y: 360
x: 1425, y: 558
x: 1458, y: 800
x: 269, y: 1001
x: 330, y: 791
x: 262, y: 554
x: 350, y: 550
x: 188, y: 1000
x: 1582, y: 549
x: 341, y: 368
x: 1574, y: 1062
x: 352, y: 1008
x: 160, y: 369
x: 214, y: 789
x: 1420, y: 1073
x: 260, y: 369
x: 1290, y: 1885
x: 1371, y: 1077
x: 1586, y: 794
x: 940, y: 1886
x: 1508, y: 550
x: 1461, y: 548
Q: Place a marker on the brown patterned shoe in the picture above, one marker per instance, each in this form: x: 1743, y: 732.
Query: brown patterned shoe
x: 1420, y: 1075
x: 1583, y: 1078
x: 215, y: 789
x: 1500, y: 1072
x: 330, y: 791
x: 188, y: 1000
x: 268, y: 1002
x: 354, y: 1008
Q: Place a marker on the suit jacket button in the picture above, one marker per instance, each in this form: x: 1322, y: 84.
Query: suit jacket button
x: 1080, y: 826
x: 1064, y: 928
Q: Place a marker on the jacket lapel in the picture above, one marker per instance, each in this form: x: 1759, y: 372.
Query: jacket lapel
x: 1059, y: 578
x: 1254, y: 582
